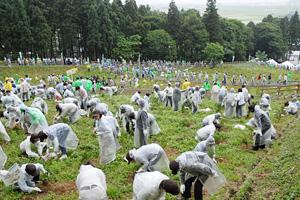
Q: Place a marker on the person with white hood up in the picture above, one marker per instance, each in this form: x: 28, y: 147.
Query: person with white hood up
x: 210, y: 119
x: 207, y: 146
x: 40, y: 104
x: 141, y: 132
x: 91, y: 183
x: 107, y: 130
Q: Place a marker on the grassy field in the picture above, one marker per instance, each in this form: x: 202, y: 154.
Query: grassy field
x: 241, y: 166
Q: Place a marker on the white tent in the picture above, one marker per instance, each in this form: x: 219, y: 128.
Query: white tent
x: 288, y: 64
x: 272, y: 62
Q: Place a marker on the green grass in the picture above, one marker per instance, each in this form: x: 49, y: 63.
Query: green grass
x: 233, y: 153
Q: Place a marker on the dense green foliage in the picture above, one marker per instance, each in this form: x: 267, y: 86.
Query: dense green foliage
x: 92, y: 28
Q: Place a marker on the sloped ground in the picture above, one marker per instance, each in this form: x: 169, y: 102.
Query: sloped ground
x: 240, y: 165
x: 278, y: 175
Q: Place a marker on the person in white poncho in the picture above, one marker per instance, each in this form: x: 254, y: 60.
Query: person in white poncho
x: 197, y: 167
x: 291, y: 108
x: 215, y: 93
x: 210, y: 119
x: 196, y: 100
x: 3, y: 133
x: 151, y: 156
x: 206, y: 131
x: 69, y: 110
x: 207, y: 146
x: 153, y: 186
x: 40, y: 104
x: 127, y: 115
x: 25, y: 177
x: 136, y: 97
x: 25, y: 147
x: 61, y: 136
x: 91, y: 183
x: 229, y: 103
x: 107, y: 130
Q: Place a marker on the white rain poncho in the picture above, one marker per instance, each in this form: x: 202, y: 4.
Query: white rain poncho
x: 103, y: 109
x: 210, y: 119
x: 153, y: 126
x: 64, y: 134
x: 196, y: 98
x: 36, y: 118
x: 3, y: 158
x: 110, y: 90
x: 123, y: 114
x: 292, y: 108
x: 91, y: 104
x: 13, y: 115
x: 229, y: 103
x: 71, y: 100
x: 152, y: 156
x: 39, y: 92
x: 8, y: 101
x: 40, y: 104
x: 207, y: 146
x: 222, y: 94
x: 146, y: 186
x: 91, y: 183
x: 3, y: 133
x: 25, y: 181
x: 199, y: 164
x: 215, y: 93
x: 205, y: 132
x: 135, y: 97
x: 265, y: 104
x: 68, y: 93
x: 265, y: 130
x: 17, y: 100
x: 50, y: 93
x: 10, y: 176
x: 25, y: 147
x: 107, y: 130
x: 71, y: 110
x: 141, y: 132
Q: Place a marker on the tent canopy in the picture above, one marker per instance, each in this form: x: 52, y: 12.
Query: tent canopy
x: 272, y: 62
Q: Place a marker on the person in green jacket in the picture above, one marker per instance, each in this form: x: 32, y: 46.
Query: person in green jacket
x: 35, y: 118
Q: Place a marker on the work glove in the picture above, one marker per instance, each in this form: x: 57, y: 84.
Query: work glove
x: 146, y: 132
x: 182, y: 188
x: 37, y: 189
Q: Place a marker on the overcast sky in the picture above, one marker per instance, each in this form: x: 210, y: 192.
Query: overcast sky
x: 245, y: 10
x: 159, y: 4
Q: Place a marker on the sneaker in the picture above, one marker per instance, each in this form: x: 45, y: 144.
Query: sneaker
x: 63, y: 157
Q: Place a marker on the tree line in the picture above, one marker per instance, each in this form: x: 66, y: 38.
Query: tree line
x: 93, y: 28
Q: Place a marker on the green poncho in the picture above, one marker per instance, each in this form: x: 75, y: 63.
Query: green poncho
x: 89, y: 85
x: 207, y: 86
x: 77, y: 83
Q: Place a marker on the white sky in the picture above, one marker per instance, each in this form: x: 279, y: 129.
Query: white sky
x: 245, y: 10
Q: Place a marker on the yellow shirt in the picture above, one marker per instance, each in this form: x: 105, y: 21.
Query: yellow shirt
x: 186, y: 85
x: 8, y: 86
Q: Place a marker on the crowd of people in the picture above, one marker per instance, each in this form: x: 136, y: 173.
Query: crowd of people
x: 74, y: 100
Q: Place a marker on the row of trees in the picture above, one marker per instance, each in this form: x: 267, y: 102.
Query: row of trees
x: 92, y: 28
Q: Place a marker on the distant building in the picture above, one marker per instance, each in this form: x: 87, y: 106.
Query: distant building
x: 294, y: 57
